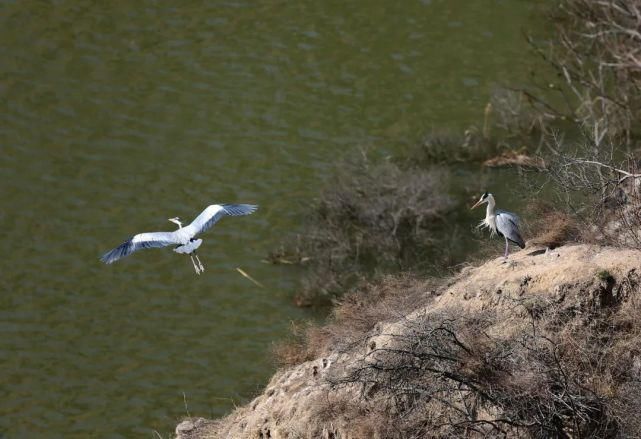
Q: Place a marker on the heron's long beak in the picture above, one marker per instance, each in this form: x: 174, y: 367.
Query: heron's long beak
x: 478, y: 203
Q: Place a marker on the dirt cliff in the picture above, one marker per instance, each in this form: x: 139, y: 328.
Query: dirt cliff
x: 545, y: 345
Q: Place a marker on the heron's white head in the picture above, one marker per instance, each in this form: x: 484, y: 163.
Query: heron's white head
x: 176, y: 220
x: 485, y: 198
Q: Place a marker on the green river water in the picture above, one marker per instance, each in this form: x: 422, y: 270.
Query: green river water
x: 115, y: 116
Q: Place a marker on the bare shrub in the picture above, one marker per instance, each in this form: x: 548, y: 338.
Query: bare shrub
x: 518, y: 113
x: 601, y: 191
x: 375, y: 217
x: 597, y: 54
x: 595, y: 98
x: 621, y: 219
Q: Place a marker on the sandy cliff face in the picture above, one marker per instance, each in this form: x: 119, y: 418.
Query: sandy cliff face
x: 464, y: 362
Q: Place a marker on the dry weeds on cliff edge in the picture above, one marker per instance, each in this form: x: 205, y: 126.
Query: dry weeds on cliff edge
x: 566, y: 364
x: 552, y: 366
x: 446, y: 376
x: 354, y: 315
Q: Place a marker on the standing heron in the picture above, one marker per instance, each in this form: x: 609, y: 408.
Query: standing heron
x: 501, y: 222
x: 184, y: 238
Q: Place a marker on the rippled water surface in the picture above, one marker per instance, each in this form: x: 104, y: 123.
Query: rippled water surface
x: 115, y: 116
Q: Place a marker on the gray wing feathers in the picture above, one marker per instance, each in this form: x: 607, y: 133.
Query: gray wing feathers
x: 212, y: 214
x: 204, y: 221
x: 139, y: 242
x: 507, y: 224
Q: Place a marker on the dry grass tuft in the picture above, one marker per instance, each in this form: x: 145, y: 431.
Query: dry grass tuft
x: 552, y: 227
x: 306, y: 342
x: 354, y: 315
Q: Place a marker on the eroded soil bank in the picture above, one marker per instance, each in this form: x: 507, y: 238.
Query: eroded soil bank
x: 547, y: 344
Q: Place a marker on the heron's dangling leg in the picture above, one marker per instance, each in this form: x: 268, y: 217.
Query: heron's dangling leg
x: 194, y: 264
x: 202, y: 268
x: 507, y: 247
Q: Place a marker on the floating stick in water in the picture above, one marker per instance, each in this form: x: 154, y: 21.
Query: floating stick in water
x: 238, y: 269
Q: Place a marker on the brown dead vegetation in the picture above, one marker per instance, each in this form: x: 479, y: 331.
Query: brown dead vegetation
x: 564, y: 365
x: 355, y: 314
x: 304, y: 343
x: 447, y: 375
x: 552, y: 227
x: 605, y: 200
x: 596, y: 74
x: 375, y: 217
x: 597, y: 54
x: 596, y: 90
x: 515, y: 158
x: 474, y: 145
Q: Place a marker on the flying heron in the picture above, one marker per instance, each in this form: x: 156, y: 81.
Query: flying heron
x: 184, y: 238
x: 501, y: 222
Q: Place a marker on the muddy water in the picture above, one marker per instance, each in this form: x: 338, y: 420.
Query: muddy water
x: 115, y: 116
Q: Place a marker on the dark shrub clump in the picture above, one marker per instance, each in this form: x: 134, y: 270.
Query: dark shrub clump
x: 375, y: 217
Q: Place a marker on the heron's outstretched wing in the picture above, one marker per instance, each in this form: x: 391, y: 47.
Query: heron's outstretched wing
x: 215, y: 212
x: 138, y: 242
x: 507, y: 223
